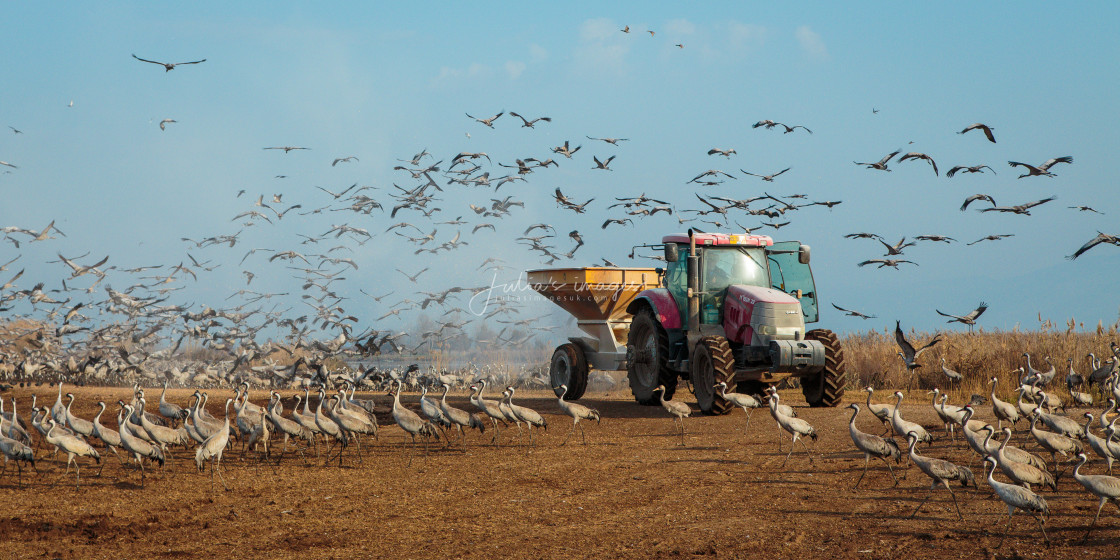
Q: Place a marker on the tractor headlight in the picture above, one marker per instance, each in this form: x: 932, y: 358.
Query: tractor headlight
x: 766, y: 330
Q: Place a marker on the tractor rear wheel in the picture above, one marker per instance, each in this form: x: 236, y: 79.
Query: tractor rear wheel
x: 569, y: 368
x: 647, y: 351
x: 827, y: 388
x: 712, y: 362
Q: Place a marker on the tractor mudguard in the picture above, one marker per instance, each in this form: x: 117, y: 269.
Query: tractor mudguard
x: 663, y: 305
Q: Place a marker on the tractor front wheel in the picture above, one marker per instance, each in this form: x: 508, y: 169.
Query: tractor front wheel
x: 712, y: 363
x: 827, y: 387
x: 569, y: 368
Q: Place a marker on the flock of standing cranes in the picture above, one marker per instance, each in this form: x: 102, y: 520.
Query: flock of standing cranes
x: 338, y: 421
x: 336, y: 424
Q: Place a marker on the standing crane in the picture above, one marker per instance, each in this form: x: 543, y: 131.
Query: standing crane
x: 330, y: 428
x: 940, y: 472
x: 169, y: 410
x: 1022, y: 473
x: 1102, y: 486
x: 13, y: 450
x: 1097, y: 444
x: 872, y: 446
x: 795, y: 426
x: 290, y: 428
x: 108, y: 436
x: 459, y: 417
x: 747, y: 402
x: 78, y: 425
x: 410, y: 422
x: 881, y: 411
x: 1054, y: 443
x: 527, y: 415
x: 1015, y: 498
x: 674, y: 408
x: 139, y: 448
x: 577, y: 412
x: 74, y: 446
x: 489, y: 407
x: 211, y: 450
x: 902, y: 426
x: 1003, y: 410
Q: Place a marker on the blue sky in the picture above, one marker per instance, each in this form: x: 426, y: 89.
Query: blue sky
x: 383, y: 82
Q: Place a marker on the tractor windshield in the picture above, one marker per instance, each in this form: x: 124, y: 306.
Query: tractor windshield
x: 726, y: 266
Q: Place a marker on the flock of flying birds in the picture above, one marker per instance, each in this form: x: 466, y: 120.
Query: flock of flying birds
x: 143, y: 320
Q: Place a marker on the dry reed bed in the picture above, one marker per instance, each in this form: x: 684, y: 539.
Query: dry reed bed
x: 872, y: 357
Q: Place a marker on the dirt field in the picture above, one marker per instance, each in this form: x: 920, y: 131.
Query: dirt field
x: 632, y: 492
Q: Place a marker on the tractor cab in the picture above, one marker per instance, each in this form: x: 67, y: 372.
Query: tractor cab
x: 726, y: 260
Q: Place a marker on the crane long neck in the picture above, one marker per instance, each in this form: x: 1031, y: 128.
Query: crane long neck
x: 446, y: 388
x: 852, y: 421
x: 869, y: 400
x: 1112, y: 406
x: 97, y: 418
x: 1077, y: 470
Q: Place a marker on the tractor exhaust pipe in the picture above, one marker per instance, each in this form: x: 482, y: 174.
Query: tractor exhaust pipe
x: 693, y: 285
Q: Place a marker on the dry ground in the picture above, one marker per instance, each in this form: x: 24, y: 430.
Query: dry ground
x: 631, y: 492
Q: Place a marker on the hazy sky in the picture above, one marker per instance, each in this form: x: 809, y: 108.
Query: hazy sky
x: 384, y: 81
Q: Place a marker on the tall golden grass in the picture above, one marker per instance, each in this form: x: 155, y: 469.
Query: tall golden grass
x: 872, y: 357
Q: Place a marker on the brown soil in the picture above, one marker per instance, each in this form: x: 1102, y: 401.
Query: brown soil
x: 631, y: 492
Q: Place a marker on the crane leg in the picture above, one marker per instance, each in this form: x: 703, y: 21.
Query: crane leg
x: 954, y: 501
x: 866, y: 463
x: 682, y: 429
x: 747, y: 425
x: 791, y: 449
x: 891, y: 470
x: 928, y: 496
x: 219, y: 468
x: 583, y: 433
x: 1095, y: 518
x: 572, y: 430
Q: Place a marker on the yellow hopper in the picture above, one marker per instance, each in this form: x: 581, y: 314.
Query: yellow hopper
x: 597, y: 297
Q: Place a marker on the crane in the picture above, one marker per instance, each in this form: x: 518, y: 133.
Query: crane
x: 881, y: 411
x: 74, y: 446
x: 212, y: 449
x: 675, y: 408
x: 525, y: 414
x: 872, y: 446
x: 1003, y: 410
x: 171, y: 411
x: 1102, y: 486
x: 459, y: 417
x: 795, y: 426
x: 902, y: 426
x: 1021, y: 473
x: 410, y: 422
x: 577, y: 412
x: 747, y: 402
x: 139, y: 448
x: 1054, y: 443
x: 1015, y: 498
x: 940, y: 472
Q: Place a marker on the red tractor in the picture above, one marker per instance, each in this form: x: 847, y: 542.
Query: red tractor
x: 728, y: 308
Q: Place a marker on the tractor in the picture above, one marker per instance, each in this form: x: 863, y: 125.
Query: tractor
x: 726, y: 308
